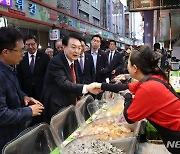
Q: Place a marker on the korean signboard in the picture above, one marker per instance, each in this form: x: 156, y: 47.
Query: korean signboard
x: 54, y: 34
x: 6, y: 2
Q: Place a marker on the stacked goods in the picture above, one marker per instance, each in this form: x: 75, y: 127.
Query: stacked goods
x: 91, y: 147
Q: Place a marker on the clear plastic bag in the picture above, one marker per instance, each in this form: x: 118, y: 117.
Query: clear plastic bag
x: 82, y: 106
x: 65, y: 122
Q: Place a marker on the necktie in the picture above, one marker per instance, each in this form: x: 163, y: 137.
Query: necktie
x: 110, y: 58
x: 73, y: 73
x: 94, y: 55
x: 81, y: 64
x: 32, y: 64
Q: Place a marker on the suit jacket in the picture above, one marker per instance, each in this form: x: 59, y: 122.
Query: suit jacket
x: 117, y: 64
x: 101, y: 66
x: 59, y: 90
x: 13, y: 114
x: 88, y: 74
x: 32, y: 84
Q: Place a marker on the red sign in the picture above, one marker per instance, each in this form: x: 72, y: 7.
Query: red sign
x: 52, y: 16
x: 16, y: 12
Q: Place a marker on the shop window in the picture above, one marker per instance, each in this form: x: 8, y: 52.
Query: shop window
x: 95, y: 21
x: 96, y: 4
x: 83, y: 15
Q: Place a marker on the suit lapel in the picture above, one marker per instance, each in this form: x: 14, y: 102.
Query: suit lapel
x: 78, y: 66
x: 66, y: 65
x: 114, y: 56
x: 98, y: 59
x: 25, y: 62
x: 38, y: 59
x: 76, y: 63
x: 86, y: 62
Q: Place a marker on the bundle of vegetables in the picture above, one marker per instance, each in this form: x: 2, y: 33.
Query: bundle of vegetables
x: 151, y: 132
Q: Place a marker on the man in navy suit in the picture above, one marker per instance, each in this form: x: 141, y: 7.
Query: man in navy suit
x: 15, y: 107
x: 99, y: 58
x: 85, y: 65
x: 61, y: 87
x: 115, y: 60
x: 100, y: 61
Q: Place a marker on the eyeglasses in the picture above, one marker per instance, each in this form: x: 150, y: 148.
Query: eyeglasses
x: 30, y: 44
x: 21, y: 50
x: 96, y: 41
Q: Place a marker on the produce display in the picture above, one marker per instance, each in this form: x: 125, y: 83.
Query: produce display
x: 151, y: 132
x: 91, y: 147
x: 108, y: 129
x: 107, y: 110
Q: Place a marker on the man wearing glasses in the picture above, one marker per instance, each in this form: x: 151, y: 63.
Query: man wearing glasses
x: 16, y: 108
x: 32, y: 69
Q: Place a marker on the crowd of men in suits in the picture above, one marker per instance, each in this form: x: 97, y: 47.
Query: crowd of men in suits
x: 57, y: 83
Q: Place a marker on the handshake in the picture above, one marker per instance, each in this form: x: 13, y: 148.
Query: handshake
x: 94, y: 88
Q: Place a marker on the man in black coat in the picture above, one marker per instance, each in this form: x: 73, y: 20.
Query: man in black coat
x: 31, y: 71
x: 99, y: 58
x: 115, y: 60
x: 85, y: 65
x: 60, y: 85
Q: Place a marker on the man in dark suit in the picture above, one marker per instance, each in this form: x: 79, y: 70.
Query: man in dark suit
x: 100, y: 61
x: 115, y: 60
x: 32, y: 69
x: 60, y: 85
x: 99, y: 58
x: 85, y: 65
x: 15, y: 107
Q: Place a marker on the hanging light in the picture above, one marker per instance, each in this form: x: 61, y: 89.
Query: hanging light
x: 39, y: 46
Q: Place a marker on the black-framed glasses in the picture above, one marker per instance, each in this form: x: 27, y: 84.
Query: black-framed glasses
x: 21, y: 50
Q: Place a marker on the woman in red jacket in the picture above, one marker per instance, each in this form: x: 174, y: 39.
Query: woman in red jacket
x: 154, y: 98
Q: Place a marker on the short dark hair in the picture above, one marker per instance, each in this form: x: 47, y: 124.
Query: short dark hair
x: 112, y: 41
x: 156, y: 46
x: 83, y: 40
x: 8, y: 38
x: 96, y: 36
x: 65, y: 40
x: 30, y: 36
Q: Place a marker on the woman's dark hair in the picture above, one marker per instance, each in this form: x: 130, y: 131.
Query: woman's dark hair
x: 8, y: 38
x: 147, y: 61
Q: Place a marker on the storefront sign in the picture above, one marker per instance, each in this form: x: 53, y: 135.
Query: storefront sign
x: 16, y: 12
x: 35, y: 11
x: 54, y: 34
x: 20, y: 4
x: 32, y: 8
x: 52, y: 16
x: 6, y: 2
